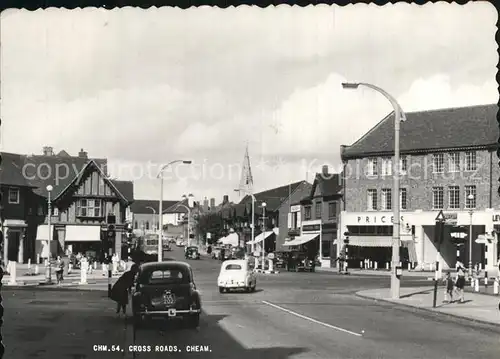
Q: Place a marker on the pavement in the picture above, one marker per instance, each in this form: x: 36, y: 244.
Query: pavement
x: 291, y: 315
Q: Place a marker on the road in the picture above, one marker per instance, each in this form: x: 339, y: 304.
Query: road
x: 291, y: 315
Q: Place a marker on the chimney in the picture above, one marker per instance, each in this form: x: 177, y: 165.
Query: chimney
x: 225, y: 199
x: 324, y: 170
x: 82, y: 154
x: 205, y: 204
x: 212, y: 203
x: 48, y: 151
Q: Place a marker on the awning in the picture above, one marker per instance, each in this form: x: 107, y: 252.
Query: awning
x: 232, y: 239
x: 260, y: 237
x: 14, y: 223
x: 42, y: 232
x: 301, y: 240
x: 370, y: 241
x: 83, y: 234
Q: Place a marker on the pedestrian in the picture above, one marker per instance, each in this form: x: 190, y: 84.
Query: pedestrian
x: 121, y: 289
x: 450, y: 287
x: 59, y: 270
x: 460, y: 283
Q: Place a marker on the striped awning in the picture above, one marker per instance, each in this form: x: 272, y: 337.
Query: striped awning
x: 83, y: 234
x: 370, y: 241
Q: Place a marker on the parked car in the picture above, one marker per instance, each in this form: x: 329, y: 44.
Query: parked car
x: 298, y: 261
x: 236, y: 274
x: 166, y: 290
x: 192, y: 253
x: 166, y: 247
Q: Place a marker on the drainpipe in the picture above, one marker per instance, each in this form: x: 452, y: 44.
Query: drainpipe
x: 491, y: 180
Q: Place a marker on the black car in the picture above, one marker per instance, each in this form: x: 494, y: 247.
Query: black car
x: 192, y: 253
x: 166, y: 290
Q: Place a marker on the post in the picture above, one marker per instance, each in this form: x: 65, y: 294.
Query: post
x: 470, y: 244
x: 320, y: 241
x: 49, y: 264
x: 439, y: 234
x: 109, y: 281
x: 253, y: 225
x: 189, y: 223
x: 160, y: 219
x: 263, y: 235
x: 395, y: 281
x: 495, y: 286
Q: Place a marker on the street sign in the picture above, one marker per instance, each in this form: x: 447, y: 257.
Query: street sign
x: 451, y: 218
x: 458, y: 235
x: 440, y: 217
x: 484, y: 238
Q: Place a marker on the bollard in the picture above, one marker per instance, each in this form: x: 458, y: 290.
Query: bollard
x: 495, y: 286
x: 409, y: 266
x: 70, y: 268
x: 109, y: 281
x: 446, y: 299
x: 12, y: 271
x: 387, y: 265
x: 361, y: 266
x: 95, y: 265
x: 375, y: 265
x: 486, y: 280
x: 103, y: 267
x: 270, y: 265
x: 38, y: 259
x: 29, y: 264
x: 83, y: 274
x: 37, y: 270
x: 476, y: 285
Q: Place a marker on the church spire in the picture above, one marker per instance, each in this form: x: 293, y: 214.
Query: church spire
x: 246, y: 180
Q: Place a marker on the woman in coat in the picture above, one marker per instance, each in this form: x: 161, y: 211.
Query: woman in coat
x: 122, y: 287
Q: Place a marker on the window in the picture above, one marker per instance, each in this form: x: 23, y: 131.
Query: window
x: 147, y: 224
x: 372, y: 199
x: 470, y: 161
x: 437, y: 198
x: 403, y: 164
x: 166, y: 276
x: 454, y: 197
x: 233, y: 267
x: 332, y: 210
x: 386, y: 167
x: 454, y: 158
x: 307, y: 212
x: 403, y: 198
x: 318, y: 210
x: 14, y: 195
x: 470, y: 197
x: 55, y: 211
x: 372, y: 169
x: 438, y: 163
x: 89, y: 208
x: 136, y: 225
x: 386, y: 199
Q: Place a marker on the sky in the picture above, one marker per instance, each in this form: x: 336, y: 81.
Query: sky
x: 146, y: 87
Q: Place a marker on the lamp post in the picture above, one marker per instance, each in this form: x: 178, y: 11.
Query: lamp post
x: 252, y: 245
x: 470, y: 197
x: 160, y: 212
x: 264, y: 204
x: 49, y: 215
x: 189, y: 221
x: 399, y: 115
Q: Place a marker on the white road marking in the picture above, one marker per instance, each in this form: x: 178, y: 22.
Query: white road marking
x: 311, y: 319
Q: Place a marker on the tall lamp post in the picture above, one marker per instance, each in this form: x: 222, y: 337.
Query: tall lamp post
x: 264, y: 204
x: 470, y: 197
x: 160, y: 211
x: 252, y: 245
x: 399, y: 115
x: 49, y: 215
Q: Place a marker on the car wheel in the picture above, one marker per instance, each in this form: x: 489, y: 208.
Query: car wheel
x: 221, y: 290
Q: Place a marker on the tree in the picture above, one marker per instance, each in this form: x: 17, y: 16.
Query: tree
x: 210, y: 223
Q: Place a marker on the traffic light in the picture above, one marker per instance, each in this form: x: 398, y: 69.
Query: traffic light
x: 346, y: 239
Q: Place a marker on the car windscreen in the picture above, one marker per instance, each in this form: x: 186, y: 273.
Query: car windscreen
x: 233, y: 267
x: 165, y: 276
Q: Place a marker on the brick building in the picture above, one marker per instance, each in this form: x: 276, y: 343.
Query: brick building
x: 448, y: 162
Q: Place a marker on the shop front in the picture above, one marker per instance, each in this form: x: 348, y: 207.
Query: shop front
x: 371, y: 233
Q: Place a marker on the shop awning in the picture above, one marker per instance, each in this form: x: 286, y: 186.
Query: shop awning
x: 232, y: 239
x: 370, y: 241
x: 42, y: 232
x: 260, y: 237
x: 301, y: 240
x: 14, y: 223
x: 83, y: 233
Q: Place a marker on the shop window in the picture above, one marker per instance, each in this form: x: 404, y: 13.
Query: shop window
x: 13, y: 195
x: 307, y: 212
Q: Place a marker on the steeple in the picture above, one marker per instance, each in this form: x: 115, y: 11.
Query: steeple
x: 246, y: 179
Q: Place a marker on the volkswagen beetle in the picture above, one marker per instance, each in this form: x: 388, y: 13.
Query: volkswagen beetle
x: 167, y: 290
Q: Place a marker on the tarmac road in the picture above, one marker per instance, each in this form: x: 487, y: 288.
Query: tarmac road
x: 292, y: 315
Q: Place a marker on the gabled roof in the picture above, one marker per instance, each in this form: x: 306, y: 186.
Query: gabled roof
x: 126, y: 188
x: 425, y: 131
x: 176, y: 207
x: 63, y: 153
x: 140, y: 206
x: 11, y: 170
x: 273, y: 197
x: 329, y: 184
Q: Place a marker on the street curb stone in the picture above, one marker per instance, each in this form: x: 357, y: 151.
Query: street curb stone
x: 428, y: 310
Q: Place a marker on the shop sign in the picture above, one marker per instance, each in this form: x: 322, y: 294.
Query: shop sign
x: 295, y: 208
x: 311, y: 228
x: 451, y: 218
x: 496, y: 218
x: 377, y: 219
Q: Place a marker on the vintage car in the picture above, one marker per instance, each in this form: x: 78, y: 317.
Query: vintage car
x: 192, y: 253
x: 299, y: 261
x: 166, y: 290
x: 236, y: 274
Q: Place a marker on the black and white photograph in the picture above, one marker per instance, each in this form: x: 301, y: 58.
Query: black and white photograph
x: 276, y: 182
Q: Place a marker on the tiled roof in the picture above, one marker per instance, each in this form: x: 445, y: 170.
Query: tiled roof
x: 329, y: 184
x: 462, y: 127
x: 11, y: 170
x: 176, y: 208
x: 140, y: 206
x: 273, y: 197
x: 126, y: 188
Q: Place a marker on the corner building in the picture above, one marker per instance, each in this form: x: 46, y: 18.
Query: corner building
x: 448, y: 162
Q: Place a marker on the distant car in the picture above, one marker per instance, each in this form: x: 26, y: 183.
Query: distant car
x: 166, y: 247
x: 236, y: 274
x: 192, y: 253
x: 179, y: 243
x: 166, y: 290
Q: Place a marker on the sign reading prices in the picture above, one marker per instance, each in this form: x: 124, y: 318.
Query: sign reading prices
x: 377, y: 219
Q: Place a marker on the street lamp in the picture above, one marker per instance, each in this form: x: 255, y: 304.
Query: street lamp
x: 252, y: 245
x: 399, y: 115
x: 189, y: 220
x: 49, y: 215
x: 470, y: 197
x: 160, y: 212
x: 264, y: 204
